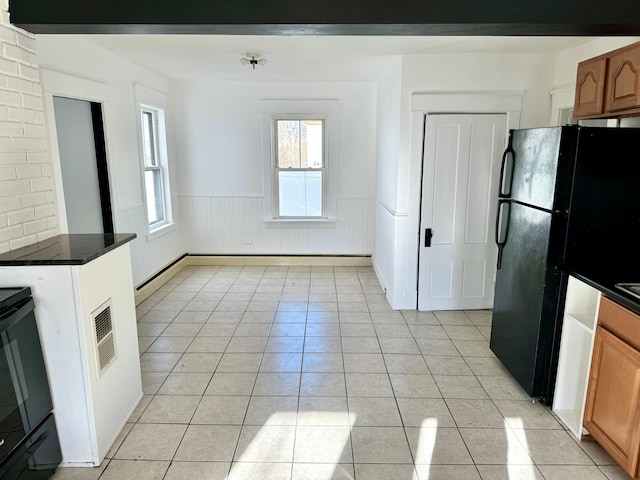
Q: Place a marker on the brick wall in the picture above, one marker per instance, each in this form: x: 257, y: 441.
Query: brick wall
x: 27, y: 202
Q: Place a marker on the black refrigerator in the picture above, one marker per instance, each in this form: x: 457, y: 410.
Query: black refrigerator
x: 539, y: 183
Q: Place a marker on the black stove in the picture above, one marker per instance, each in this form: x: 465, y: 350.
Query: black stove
x: 29, y: 448
x: 630, y: 288
x: 12, y: 296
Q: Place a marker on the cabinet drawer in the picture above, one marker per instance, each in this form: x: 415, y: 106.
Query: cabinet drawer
x: 621, y: 322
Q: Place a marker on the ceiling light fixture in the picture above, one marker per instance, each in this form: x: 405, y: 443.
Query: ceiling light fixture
x: 252, y: 59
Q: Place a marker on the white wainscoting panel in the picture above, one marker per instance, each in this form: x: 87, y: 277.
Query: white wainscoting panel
x: 133, y: 221
x: 235, y: 225
x: 148, y: 255
x: 391, y: 251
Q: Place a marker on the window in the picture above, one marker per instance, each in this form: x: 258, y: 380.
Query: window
x: 300, y: 155
x: 299, y: 167
x: 155, y: 166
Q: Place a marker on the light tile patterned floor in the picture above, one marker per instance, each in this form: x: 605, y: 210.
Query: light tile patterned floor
x: 305, y: 373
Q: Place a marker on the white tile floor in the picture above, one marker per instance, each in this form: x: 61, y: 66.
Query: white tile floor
x: 305, y: 373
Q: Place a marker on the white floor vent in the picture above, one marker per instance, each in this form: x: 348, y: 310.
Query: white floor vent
x: 105, y: 341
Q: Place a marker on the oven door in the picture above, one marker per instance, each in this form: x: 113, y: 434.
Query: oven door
x: 37, y: 457
x: 24, y: 390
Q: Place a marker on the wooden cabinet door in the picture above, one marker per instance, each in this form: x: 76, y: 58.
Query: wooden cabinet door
x: 623, y: 80
x: 612, y: 412
x: 590, y: 84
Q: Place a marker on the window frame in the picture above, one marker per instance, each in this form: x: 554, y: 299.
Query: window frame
x: 325, y: 109
x: 151, y: 101
x: 277, y: 169
x: 156, y: 164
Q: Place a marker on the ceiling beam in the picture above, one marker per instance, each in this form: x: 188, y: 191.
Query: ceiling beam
x: 330, y: 17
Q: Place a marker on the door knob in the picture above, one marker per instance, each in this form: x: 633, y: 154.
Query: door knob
x: 428, y: 235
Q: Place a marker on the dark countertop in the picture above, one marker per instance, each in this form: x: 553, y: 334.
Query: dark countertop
x: 74, y: 249
x: 606, y: 284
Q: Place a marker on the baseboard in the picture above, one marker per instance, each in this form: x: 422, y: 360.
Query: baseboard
x: 64, y: 464
x: 406, y: 300
x: 122, y: 425
x: 277, y: 260
x: 152, y: 284
x: 383, y: 281
x: 149, y: 286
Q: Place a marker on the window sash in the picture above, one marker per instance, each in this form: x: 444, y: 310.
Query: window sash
x: 150, y: 137
x: 300, y: 169
x: 277, y: 169
x: 303, y: 194
x: 154, y: 191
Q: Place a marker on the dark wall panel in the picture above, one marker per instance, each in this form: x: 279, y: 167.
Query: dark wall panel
x: 331, y: 17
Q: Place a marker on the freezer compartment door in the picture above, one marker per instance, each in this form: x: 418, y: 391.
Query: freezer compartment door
x: 520, y: 296
x: 604, y: 222
x: 534, y: 166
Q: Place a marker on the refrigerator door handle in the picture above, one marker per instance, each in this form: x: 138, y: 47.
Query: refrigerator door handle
x: 502, y: 228
x: 503, y: 167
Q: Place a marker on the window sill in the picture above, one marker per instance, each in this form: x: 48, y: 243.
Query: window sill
x: 160, y: 231
x: 300, y: 222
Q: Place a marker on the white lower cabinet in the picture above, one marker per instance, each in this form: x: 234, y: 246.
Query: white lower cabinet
x: 91, y: 356
x: 580, y: 319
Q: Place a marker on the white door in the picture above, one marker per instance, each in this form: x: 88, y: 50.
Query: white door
x: 461, y: 166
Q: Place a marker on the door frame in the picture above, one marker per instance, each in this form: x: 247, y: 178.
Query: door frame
x: 508, y: 103
x: 60, y: 84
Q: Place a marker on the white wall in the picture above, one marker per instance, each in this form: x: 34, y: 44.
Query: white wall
x: 81, y: 60
x: 388, y: 131
x: 528, y: 73
x: 388, y: 144
x: 219, y: 149
x: 223, y: 162
x: 27, y: 202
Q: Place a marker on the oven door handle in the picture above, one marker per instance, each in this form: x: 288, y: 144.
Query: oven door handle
x: 9, y: 313
x: 16, y: 314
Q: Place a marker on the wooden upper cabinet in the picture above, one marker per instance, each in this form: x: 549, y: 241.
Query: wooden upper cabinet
x: 609, y: 85
x: 590, y: 84
x: 612, y: 411
x: 623, y: 82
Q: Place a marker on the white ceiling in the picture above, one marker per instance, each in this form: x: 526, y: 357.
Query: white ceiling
x: 184, y: 57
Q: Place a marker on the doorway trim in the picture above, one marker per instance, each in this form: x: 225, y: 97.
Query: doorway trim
x: 60, y: 84
x: 508, y: 103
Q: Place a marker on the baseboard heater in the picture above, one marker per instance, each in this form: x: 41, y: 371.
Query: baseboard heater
x: 238, y: 255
